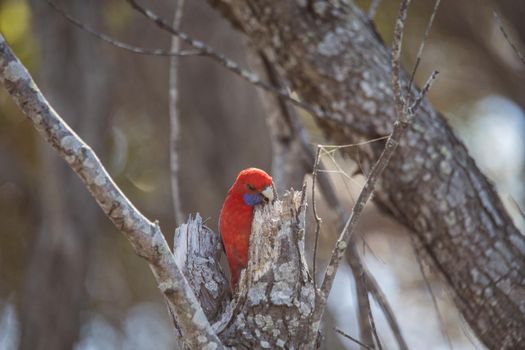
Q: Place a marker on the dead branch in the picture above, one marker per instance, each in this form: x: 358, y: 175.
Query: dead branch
x: 174, y: 117
x: 224, y: 61
x: 275, y: 297
x: 117, y: 43
x: 145, y: 236
x: 197, y: 251
x: 507, y: 37
x: 422, y: 45
x: 348, y: 336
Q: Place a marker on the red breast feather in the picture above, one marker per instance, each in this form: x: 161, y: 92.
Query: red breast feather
x: 236, y: 217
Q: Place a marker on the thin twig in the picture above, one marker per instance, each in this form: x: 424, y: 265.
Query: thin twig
x: 145, y: 236
x: 516, y: 204
x: 375, y: 290
x: 316, y: 216
x: 373, y: 323
x: 353, y: 339
x: 369, y: 311
x: 395, y: 61
x: 422, y: 45
x: 119, y: 44
x: 201, y: 49
x: 174, y: 117
x: 506, y: 35
x: 226, y: 62
x: 400, y: 125
x: 352, y: 221
x: 432, y: 295
x: 361, y: 291
x: 373, y: 287
x: 415, y: 105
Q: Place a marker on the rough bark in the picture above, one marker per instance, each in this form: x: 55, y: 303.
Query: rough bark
x: 197, y: 251
x: 334, y: 59
x: 275, y: 298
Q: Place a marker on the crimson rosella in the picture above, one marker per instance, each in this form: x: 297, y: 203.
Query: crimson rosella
x: 253, y: 186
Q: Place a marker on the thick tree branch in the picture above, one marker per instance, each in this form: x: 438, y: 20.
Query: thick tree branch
x: 144, y: 235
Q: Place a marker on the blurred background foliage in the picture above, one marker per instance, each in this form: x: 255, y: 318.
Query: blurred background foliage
x: 118, y: 102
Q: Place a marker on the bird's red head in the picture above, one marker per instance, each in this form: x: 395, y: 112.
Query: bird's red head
x: 254, y: 185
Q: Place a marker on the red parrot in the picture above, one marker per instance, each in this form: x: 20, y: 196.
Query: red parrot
x: 253, y: 186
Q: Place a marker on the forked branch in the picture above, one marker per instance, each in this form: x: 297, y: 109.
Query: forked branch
x: 144, y: 235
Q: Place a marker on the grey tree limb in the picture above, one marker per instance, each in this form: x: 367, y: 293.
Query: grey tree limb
x: 144, y: 235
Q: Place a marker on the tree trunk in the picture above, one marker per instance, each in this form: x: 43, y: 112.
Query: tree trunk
x: 333, y: 57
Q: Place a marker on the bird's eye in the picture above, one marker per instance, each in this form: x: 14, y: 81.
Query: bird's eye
x: 250, y: 187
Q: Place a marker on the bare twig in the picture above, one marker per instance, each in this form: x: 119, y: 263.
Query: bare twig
x: 174, y: 117
x: 201, y: 49
x: 506, y: 35
x: 395, y: 60
x: 119, y: 44
x: 516, y: 204
x: 366, y: 321
x: 422, y: 45
x: 145, y: 236
x: 371, y: 316
x: 375, y: 290
x: 361, y: 291
x: 352, y: 221
x: 316, y: 216
x: 226, y: 62
x: 355, y: 260
x: 353, y: 339
x: 415, y: 105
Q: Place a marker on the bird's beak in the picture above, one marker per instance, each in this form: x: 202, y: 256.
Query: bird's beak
x: 267, y: 194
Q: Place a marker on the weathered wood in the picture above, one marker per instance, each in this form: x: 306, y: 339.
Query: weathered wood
x: 197, y: 251
x: 275, y: 298
x: 276, y: 295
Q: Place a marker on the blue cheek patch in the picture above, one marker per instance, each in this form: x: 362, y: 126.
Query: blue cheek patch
x: 252, y: 199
